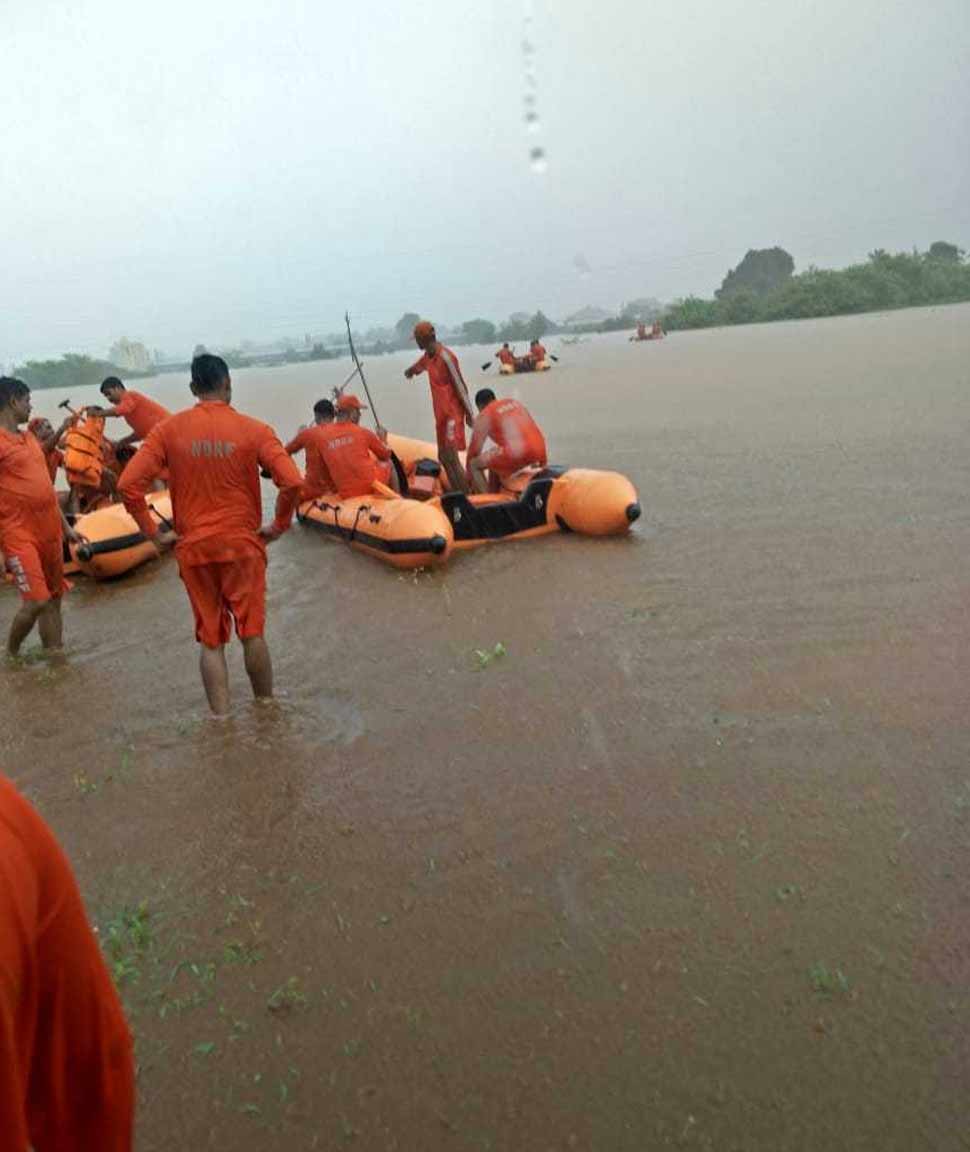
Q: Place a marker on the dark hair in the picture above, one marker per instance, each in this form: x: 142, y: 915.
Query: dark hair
x: 506, y: 344
x: 484, y: 396
x: 11, y: 389
x: 323, y: 408
x: 111, y: 382
x: 208, y: 372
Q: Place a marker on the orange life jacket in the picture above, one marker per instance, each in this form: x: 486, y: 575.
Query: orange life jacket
x: 83, y: 451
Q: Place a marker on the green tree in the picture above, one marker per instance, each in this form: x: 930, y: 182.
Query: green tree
x: 478, y: 332
x: 950, y: 253
x: 762, y: 270
x: 404, y: 328
x: 539, y: 325
x: 71, y: 371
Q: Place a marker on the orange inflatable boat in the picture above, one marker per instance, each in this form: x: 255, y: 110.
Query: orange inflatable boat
x: 537, y: 501
x: 115, y: 544
x: 521, y: 366
x: 403, y: 533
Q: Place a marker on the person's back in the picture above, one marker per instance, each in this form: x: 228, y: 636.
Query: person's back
x: 505, y: 439
x: 350, y: 453
x: 512, y: 428
x: 213, y: 457
x: 66, y: 1066
x: 310, y: 441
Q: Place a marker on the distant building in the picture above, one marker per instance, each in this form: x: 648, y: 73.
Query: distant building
x: 130, y: 355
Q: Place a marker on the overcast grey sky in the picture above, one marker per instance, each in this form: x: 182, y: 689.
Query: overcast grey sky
x: 207, y: 170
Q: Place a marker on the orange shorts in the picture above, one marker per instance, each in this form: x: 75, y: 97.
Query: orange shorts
x: 226, y: 590
x: 449, y: 426
x: 37, y: 568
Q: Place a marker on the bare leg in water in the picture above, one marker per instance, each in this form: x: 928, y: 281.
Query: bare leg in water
x: 48, y: 613
x: 215, y: 678
x: 259, y: 666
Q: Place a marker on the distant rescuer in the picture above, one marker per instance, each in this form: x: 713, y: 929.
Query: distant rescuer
x: 310, y: 441
x: 67, y: 1071
x: 506, y: 355
x: 516, y: 441
x: 32, y: 525
x: 537, y: 352
x: 140, y: 412
x: 213, y: 455
x: 449, y: 396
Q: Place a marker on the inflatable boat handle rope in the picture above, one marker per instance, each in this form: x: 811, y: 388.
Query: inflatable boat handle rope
x: 335, y: 509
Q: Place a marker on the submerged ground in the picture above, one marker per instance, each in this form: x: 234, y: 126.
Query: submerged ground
x: 685, y: 867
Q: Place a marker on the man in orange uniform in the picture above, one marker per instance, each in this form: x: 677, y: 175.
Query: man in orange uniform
x: 506, y: 355
x: 536, y: 353
x: 311, y: 440
x: 140, y: 412
x: 42, y: 429
x: 67, y: 1077
x: 355, y: 456
x: 31, y: 523
x: 516, y: 441
x: 449, y: 396
x: 213, y: 455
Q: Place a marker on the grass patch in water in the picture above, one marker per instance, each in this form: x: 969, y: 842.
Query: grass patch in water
x: 486, y: 656
x: 826, y: 982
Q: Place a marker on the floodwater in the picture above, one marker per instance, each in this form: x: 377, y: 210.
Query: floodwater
x: 686, y: 867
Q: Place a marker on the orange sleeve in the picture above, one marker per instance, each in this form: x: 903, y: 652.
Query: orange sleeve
x: 286, y: 476
x: 79, y: 1092
x: 148, y: 462
x: 124, y: 405
x: 298, y: 443
x: 377, y: 446
x: 420, y: 366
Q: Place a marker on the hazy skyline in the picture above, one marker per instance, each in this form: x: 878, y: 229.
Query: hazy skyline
x: 213, y: 171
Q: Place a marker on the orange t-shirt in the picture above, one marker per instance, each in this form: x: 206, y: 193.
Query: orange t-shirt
x: 213, y: 455
x: 506, y: 355
x: 348, y: 452
x: 310, y: 441
x: 66, y: 1066
x: 141, y: 413
x: 447, y: 383
x: 28, y: 503
x: 509, y: 426
x: 538, y: 354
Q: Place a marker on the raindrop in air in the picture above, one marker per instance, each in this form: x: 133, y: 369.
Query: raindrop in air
x: 537, y: 159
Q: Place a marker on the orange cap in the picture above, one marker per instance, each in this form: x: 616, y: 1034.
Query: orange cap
x: 349, y: 403
x: 423, y: 333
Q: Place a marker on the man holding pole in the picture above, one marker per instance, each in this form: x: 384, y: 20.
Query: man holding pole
x: 449, y: 396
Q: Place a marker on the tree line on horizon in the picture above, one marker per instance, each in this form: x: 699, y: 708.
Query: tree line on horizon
x: 763, y: 287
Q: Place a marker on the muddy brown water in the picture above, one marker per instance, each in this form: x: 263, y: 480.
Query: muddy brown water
x: 687, y: 867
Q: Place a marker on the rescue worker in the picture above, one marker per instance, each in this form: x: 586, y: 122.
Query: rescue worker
x: 140, y: 412
x: 32, y: 525
x: 355, y: 456
x: 449, y: 397
x: 506, y: 355
x: 42, y: 429
x: 310, y: 440
x: 505, y: 438
x: 641, y: 332
x: 67, y: 1070
x: 213, y: 455
x: 537, y: 353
